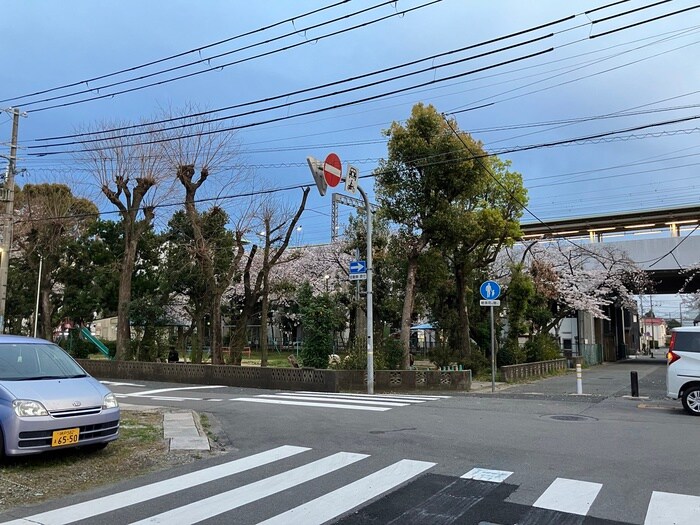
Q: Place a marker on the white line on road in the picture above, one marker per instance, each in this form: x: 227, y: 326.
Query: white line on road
x: 569, y: 495
x: 308, y: 404
x: 232, y: 499
x: 116, y: 383
x: 95, y: 507
x: 161, y: 390
x: 333, y: 504
x: 402, y: 397
x: 335, y: 400
x: 679, y: 509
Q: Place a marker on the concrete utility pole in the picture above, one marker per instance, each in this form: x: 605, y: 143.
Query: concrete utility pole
x: 7, y: 201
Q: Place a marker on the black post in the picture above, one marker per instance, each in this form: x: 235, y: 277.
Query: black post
x: 635, y: 384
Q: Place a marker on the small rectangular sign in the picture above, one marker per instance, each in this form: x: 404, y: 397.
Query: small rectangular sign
x: 490, y: 302
x: 358, y: 276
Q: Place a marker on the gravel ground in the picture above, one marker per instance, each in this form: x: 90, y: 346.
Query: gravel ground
x: 140, y: 449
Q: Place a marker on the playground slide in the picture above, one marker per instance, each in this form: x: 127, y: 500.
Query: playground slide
x: 87, y: 335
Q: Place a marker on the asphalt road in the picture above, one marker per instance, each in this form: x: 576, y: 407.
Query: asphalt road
x: 533, y: 454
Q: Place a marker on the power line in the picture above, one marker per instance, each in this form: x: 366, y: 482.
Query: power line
x: 287, y: 117
x: 240, y: 61
x: 177, y: 55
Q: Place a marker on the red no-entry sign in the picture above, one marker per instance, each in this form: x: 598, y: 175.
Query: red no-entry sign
x: 332, y: 170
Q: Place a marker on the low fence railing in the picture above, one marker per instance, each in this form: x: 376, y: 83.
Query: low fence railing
x: 316, y: 380
x: 512, y: 373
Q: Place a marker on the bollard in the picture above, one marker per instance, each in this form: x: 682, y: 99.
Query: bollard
x: 634, y: 379
x: 579, y: 380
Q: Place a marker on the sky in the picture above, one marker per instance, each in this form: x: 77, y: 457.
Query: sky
x: 594, y: 72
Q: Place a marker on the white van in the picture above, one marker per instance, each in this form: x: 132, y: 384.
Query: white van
x: 683, y: 369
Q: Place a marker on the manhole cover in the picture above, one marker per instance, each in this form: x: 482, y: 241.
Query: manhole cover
x: 567, y: 417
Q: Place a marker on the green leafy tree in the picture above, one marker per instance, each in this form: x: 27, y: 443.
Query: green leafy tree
x: 50, y: 216
x: 437, y: 189
x: 90, y: 273
x: 320, y: 318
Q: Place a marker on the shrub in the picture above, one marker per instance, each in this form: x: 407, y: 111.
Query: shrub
x: 389, y: 353
x: 542, y: 347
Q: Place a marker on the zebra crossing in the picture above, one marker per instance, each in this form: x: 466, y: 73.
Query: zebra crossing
x: 364, y: 402
x: 297, y: 485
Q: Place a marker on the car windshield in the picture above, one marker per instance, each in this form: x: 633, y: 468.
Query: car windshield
x: 24, y: 362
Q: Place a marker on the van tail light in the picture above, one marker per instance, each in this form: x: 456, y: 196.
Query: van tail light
x: 672, y: 357
x: 672, y: 344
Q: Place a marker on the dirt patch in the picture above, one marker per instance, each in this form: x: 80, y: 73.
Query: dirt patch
x: 140, y: 449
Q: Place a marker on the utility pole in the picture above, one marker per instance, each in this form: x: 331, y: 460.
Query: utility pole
x: 7, y: 201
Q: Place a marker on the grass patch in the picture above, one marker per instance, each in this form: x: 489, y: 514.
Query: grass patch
x: 139, y: 449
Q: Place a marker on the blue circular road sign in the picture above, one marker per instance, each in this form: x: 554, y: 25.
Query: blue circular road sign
x: 490, y: 290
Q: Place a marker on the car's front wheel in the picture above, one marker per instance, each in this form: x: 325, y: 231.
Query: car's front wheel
x: 691, y: 400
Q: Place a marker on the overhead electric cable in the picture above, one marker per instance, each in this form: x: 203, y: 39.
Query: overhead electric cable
x: 308, y: 99
x: 257, y: 56
x: 645, y: 21
x: 305, y: 113
x: 177, y: 55
x: 240, y: 61
x: 209, y: 59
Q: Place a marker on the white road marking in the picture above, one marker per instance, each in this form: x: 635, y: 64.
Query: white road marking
x: 116, y: 383
x: 95, y: 507
x: 308, y: 404
x: 335, y: 400
x: 161, y: 390
x: 402, y: 397
x: 569, y: 495
x: 346, y: 498
x: 678, y: 509
x: 232, y: 499
x: 482, y: 474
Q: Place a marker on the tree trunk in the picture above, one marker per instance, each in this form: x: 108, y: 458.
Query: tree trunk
x: 407, y: 311
x: 123, y: 326
x: 45, y: 308
x: 463, y: 339
x: 216, y: 356
x: 263, y: 322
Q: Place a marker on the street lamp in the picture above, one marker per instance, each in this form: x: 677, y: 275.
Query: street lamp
x: 326, y: 277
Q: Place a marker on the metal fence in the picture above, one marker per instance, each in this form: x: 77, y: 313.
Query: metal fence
x: 592, y: 354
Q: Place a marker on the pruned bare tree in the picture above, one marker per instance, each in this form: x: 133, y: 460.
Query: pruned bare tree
x: 195, y: 152
x: 128, y: 173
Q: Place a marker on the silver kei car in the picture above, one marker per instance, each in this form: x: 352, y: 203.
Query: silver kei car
x: 47, y: 401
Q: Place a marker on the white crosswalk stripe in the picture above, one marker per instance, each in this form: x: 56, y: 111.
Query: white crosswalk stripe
x: 339, y: 501
x: 232, y: 499
x: 90, y: 509
x: 256, y: 480
x: 371, y: 403
x: 679, y: 509
x: 569, y: 495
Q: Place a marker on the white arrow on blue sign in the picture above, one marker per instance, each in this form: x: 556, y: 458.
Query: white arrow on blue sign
x: 490, y: 290
x: 358, y: 267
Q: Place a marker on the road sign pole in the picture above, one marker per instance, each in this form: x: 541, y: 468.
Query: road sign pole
x: 370, y: 320
x: 493, y: 356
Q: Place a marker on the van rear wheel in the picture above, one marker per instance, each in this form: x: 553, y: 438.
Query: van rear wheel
x: 691, y: 400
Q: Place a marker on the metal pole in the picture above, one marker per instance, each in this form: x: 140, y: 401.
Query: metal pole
x: 38, y: 290
x: 493, y: 356
x: 370, y: 327
x: 8, y: 195
x: 579, y: 379
x: 634, y: 381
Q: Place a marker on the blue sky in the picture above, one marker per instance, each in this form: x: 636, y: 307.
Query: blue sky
x: 648, y: 69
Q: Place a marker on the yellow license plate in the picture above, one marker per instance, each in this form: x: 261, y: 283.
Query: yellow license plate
x: 65, y: 437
